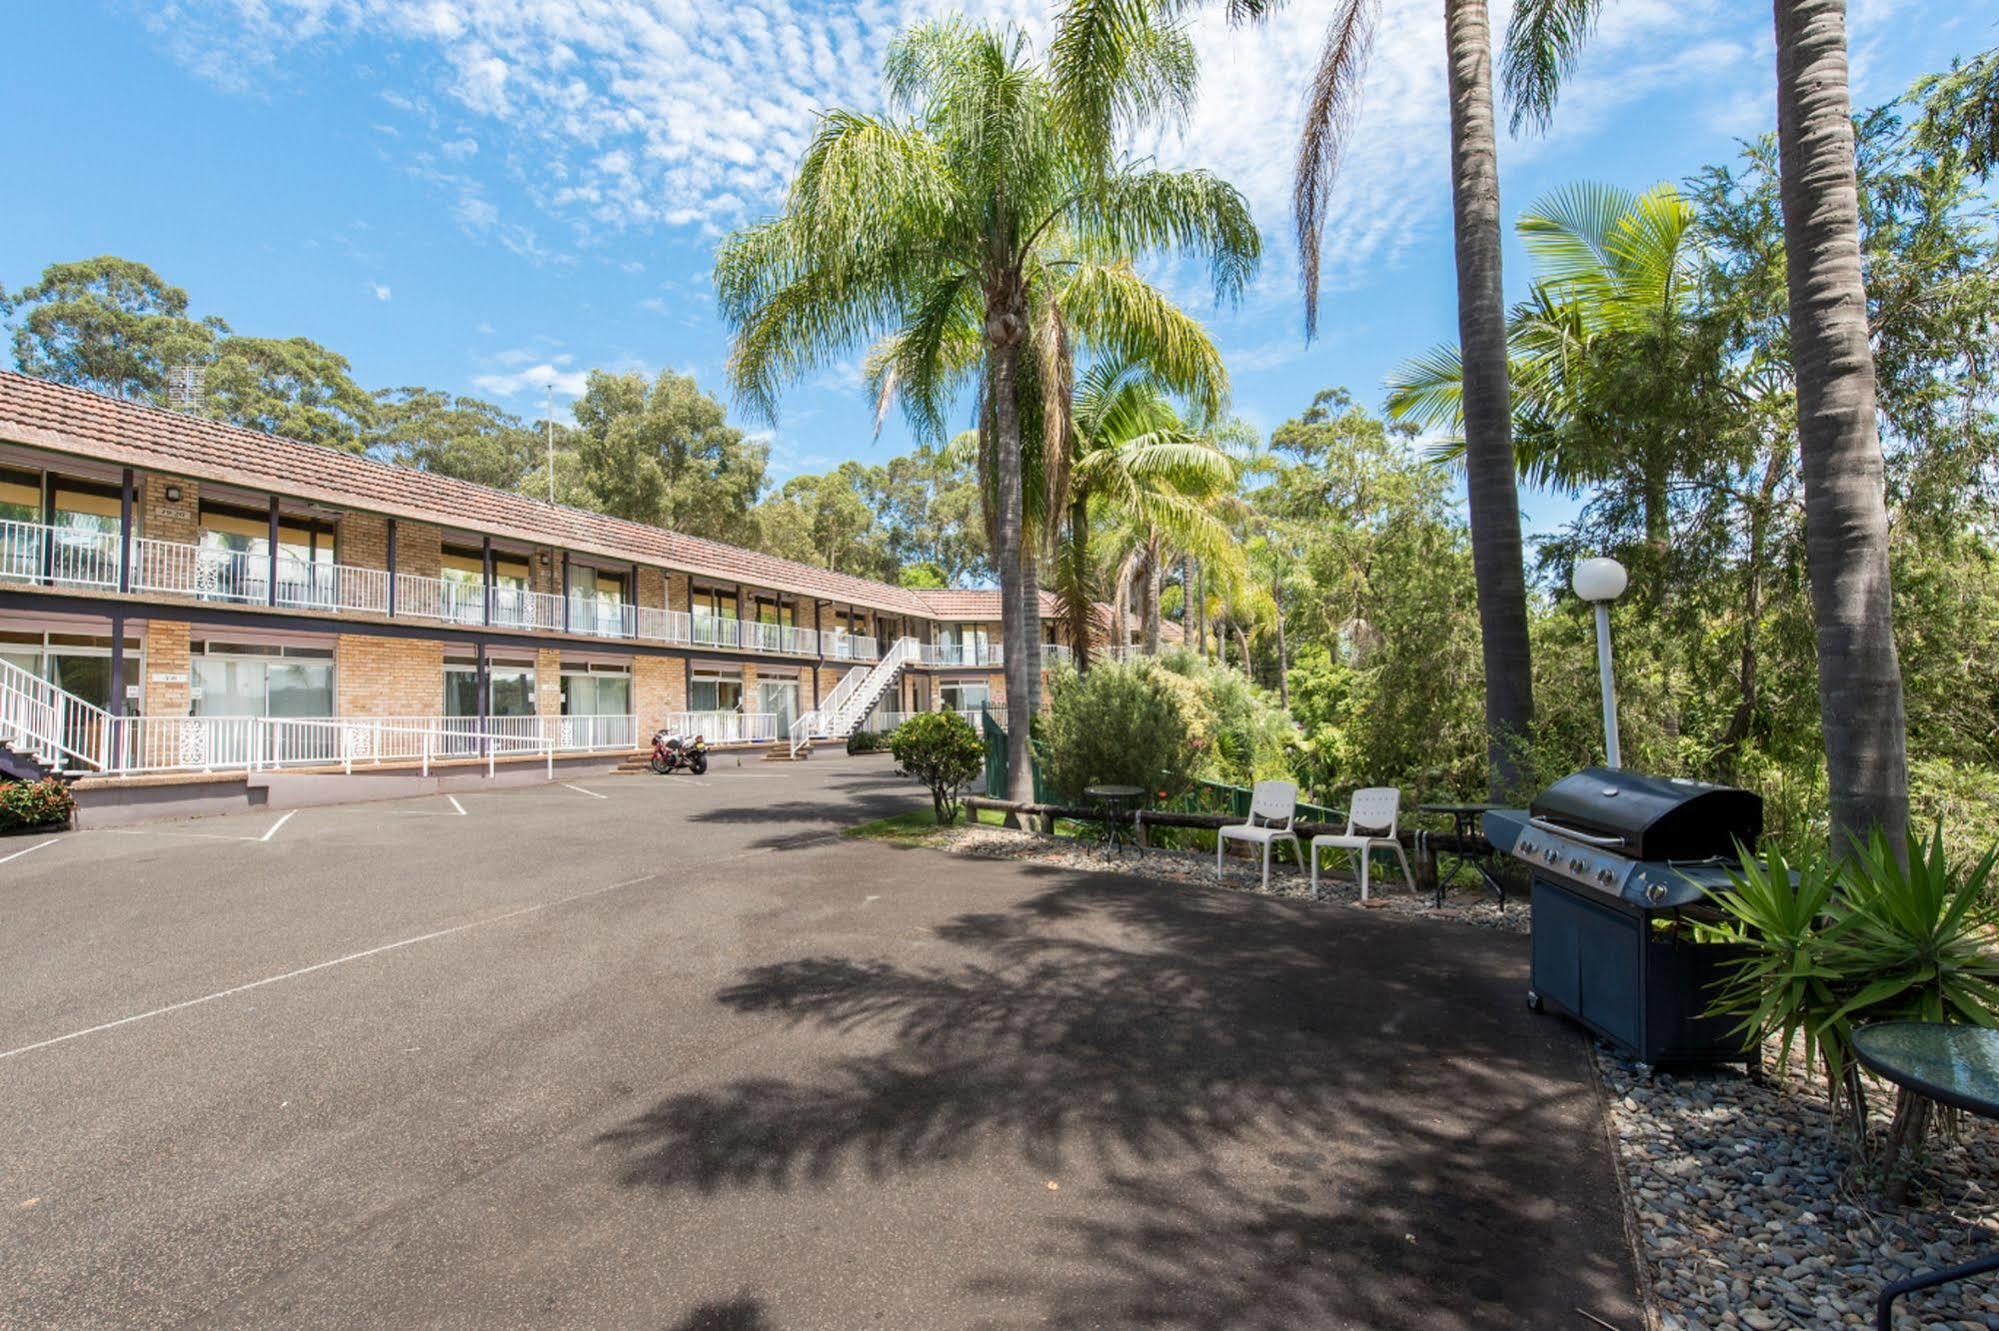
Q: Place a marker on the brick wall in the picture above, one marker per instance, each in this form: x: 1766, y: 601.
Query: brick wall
x: 364, y: 540
x: 378, y: 676
x: 651, y: 591
x: 166, y: 655
x: 676, y: 591
x: 548, y: 681
x: 546, y: 578
x: 162, y: 519
x: 659, y: 686
x: 419, y: 548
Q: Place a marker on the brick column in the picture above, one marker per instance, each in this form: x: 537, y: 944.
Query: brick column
x: 168, y: 667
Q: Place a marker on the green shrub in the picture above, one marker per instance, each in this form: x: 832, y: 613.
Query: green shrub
x: 941, y: 750
x: 1119, y: 724
x: 867, y: 741
x: 1863, y: 939
x: 44, y: 803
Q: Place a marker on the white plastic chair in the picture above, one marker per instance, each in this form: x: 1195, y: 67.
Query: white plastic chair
x: 1370, y: 827
x: 1273, y: 806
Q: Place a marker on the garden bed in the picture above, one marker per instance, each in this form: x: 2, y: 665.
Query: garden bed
x: 1750, y: 1216
x: 1387, y: 891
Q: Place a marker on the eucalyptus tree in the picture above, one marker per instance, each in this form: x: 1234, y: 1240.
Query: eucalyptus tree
x: 1841, y: 458
x: 1096, y: 36
x: 960, y: 209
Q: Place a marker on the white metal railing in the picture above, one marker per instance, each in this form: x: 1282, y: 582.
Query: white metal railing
x: 447, y: 599
x: 877, y: 682
x: 307, y: 585
x: 602, y: 617
x: 665, y: 625
x: 1053, y: 653
x: 881, y: 723
x: 56, y: 728
x: 596, y: 733
x: 519, y: 608
x: 207, y: 573
x: 798, y: 642
x: 726, y: 727
x: 962, y: 654
x: 714, y: 631
x: 72, y: 556
x: 843, y: 646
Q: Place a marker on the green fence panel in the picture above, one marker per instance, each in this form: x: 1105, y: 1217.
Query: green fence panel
x: 996, y: 770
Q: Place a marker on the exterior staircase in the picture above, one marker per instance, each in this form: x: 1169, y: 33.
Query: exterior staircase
x: 843, y: 710
x: 46, y: 730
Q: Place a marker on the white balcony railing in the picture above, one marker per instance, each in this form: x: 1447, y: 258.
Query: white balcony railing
x: 843, y: 646
x: 326, y: 586
x: 715, y: 631
x: 453, y: 602
x: 726, y: 727
x: 961, y: 654
x: 602, y: 617
x: 519, y: 608
x: 881, y: 723
x: 72, y: 556
x: 664, y: 625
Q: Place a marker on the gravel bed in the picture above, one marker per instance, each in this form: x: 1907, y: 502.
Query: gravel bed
x: 1386, y: 891
x: 1750, y: 1215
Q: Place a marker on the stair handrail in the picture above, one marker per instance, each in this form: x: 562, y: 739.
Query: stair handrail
x: 45, y: 714
x: 855, y: 710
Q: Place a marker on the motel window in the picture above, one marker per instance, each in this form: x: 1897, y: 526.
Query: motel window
x: 247, y: 532
x: 512, y: 685
x: 778, y: 695
x: 596, y: 690
x: 20, y: 496
x: 964, y: 695
x: 774, y: 610
x: 598, y: 583
x: 467, y: 568
x: 712, y: 602
x: 78, y: 663
x: 253, y: 679
x: 715, y: 690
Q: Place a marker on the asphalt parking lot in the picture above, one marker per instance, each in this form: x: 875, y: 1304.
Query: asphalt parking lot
x: 671, y: 1053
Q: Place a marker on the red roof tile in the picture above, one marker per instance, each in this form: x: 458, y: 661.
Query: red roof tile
x: 75, y: 420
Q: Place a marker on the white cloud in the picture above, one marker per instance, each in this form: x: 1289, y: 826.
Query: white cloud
x: 533, y: 379
x: 381, y: 290
x: 611, y: 114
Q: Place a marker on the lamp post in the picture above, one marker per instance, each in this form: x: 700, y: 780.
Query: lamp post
x: 1601, y: 581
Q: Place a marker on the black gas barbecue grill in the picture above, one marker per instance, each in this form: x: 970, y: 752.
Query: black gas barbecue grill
x: 1620, y: 863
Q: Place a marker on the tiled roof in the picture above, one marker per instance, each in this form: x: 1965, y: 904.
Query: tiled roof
x: 75, y: 420
x: 951, y: 603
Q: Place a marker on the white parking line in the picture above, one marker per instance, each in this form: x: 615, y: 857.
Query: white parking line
x: 323, y: 965
x: 456, y: 805
x: 202, y: 836
x: 578, y: 789
x: 30, y: 850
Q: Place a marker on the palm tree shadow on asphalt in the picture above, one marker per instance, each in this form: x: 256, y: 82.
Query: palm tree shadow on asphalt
x: 1295, y: 1115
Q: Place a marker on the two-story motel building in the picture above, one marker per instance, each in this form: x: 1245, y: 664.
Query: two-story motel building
x: 182, y: 599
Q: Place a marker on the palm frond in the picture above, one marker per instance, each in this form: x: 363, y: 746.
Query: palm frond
x: 1428, y: 390
x: 1118, y: 314
x: 1543, y: 40
x: 1330, y: 106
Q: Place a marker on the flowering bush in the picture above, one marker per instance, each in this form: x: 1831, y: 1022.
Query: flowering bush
x: 44, y: 803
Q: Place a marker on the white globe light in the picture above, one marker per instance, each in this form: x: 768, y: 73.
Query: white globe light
x: 1599, y: 580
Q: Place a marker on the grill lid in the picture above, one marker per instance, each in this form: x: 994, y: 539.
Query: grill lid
x: 1652, y: 817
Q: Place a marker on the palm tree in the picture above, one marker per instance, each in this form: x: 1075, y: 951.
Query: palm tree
x: 1097, y: 38
x: 1611, y: 291
x: 1157, y: 484
x: 1841, y: 461
x: 958, y: 211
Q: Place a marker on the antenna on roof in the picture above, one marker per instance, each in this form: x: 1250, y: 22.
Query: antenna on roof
x: 184, y: 386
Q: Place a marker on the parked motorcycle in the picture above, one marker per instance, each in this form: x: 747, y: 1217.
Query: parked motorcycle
x: 671, y: 752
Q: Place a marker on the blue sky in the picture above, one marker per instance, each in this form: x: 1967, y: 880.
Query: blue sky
x: 487, y: 195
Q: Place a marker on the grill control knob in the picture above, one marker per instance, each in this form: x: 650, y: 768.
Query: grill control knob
x: 1656, y: 893
x: 1526, y: 846
x: 1577, y: 865
x: 1606, y: 877
x: 1551, y: 855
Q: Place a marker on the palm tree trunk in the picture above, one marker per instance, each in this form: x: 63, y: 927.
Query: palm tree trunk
x: 1846, y: 514
x: 1201, y: 609
x: 1494, y: 499
x: 1283, y: 657
x: 1153, y: 579
x: 1082, y: 612
x: 1242, y: 641
x: 1003, y: 330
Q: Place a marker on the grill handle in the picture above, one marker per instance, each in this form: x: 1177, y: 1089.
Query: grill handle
x: 1608, y: 842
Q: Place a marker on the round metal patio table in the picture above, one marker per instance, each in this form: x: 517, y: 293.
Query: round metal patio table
x: 1952, y: 1065
x: 1464, y: 827
x: 1116, y: 807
